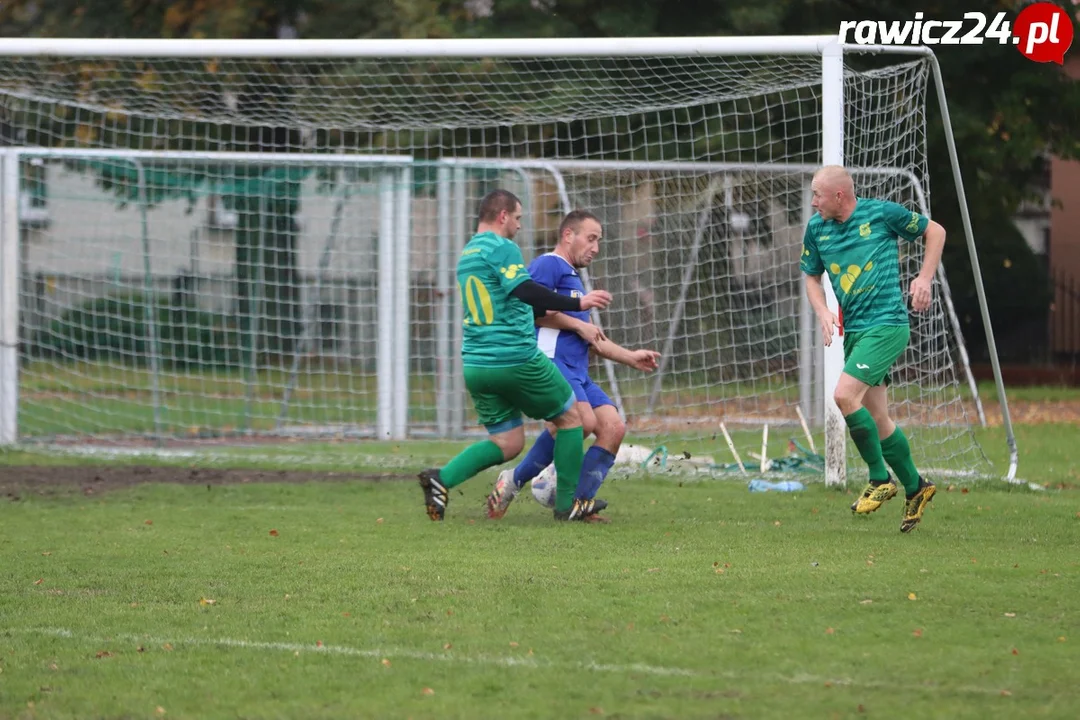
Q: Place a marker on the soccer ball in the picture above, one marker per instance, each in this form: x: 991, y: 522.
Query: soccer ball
x: 543, y: 487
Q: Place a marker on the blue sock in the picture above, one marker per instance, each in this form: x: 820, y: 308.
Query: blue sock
x: 539, y: 457
x: 594, y: 468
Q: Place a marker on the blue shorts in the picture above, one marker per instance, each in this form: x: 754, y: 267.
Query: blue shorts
x: 585, y: 390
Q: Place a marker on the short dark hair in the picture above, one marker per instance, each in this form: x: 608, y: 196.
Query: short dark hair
x: 496, y: 202
x: 573, y: 221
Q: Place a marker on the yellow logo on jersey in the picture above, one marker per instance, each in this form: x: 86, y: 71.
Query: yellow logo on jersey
x: 864, y: 230
x: 913, y: 226
x: 847, y: 281
x: 512, y: 271
x: 805, y: 251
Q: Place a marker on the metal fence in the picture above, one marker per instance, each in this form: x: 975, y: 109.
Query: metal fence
x: 1063, y: 321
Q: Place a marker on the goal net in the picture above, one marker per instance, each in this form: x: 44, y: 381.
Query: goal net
x: 217, y: 249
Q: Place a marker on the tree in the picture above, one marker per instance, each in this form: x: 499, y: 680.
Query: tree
x: 146, y: 18
x: 266, y: 198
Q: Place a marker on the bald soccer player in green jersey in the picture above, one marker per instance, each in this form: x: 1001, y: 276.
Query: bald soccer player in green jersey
x: 855, y: 240
x: 506, y: 373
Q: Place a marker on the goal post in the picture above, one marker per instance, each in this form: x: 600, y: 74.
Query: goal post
x: 297, y: 207
x: 832, y: 153
x: 9, y: 302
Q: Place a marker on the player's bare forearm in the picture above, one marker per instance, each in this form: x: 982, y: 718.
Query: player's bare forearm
x: 613, y: 352
x: 559, y: 321
x: 644, y: 360
x: 934, y: 238
x: 587, y: 331
x: 815, y: 292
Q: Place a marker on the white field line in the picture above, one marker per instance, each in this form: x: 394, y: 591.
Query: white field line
x: 380, y: 654
x: 498, y: 661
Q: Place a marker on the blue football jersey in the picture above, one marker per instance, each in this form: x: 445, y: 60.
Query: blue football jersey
x: 555, y: 273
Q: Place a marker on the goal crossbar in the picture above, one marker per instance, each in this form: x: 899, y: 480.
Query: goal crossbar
x: 410, y: 48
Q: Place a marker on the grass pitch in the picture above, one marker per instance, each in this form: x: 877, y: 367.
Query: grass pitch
x: 699, y: 599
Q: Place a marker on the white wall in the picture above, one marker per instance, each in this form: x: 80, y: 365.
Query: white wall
x: 88, y: 232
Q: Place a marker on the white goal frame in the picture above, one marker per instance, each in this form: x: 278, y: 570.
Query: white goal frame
x: 827, y: 47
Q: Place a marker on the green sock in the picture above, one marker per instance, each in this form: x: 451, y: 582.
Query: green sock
x: 864, y: 432
x: 470, y: 461
x: 569, y: 454
x: 897, y: 453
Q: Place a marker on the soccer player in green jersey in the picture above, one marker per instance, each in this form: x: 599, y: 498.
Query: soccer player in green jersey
x: 855, y: 240
x: 506, y: 374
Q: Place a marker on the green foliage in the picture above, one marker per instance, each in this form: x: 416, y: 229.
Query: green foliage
x: 115, y: 327
x: 146, y: 18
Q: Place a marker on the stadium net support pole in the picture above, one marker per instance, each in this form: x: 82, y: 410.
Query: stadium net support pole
x: 255, y: 310
x: 150, y: 302
x: 950, y: 141
x: 832, y: 153
x: 9, y: 298
x: 458, y: 229
x: 384, y: 359
x: 443, y: 289
x: 402, y: 298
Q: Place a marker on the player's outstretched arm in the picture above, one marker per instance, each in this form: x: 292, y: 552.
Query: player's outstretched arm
x: 923, y: 282
x: 644, y: 360
x: 589, y: 333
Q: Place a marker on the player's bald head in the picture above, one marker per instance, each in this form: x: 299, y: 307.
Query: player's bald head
x: 834, y: 178
x: 833, y: 193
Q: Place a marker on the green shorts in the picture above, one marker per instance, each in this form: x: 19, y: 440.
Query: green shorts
x: 870, y: 354
x: 502, y: 394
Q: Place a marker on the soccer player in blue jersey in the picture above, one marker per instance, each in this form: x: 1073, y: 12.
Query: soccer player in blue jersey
x: 854, y: 239
x: 567, y: 337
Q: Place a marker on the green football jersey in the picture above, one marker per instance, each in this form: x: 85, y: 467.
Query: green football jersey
x: 862, y: 257
x: 499, y: 328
